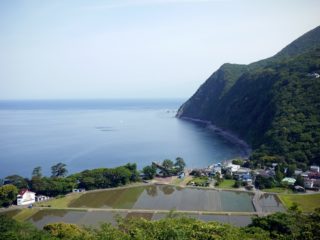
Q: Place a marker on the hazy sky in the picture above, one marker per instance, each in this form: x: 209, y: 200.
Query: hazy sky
x: 137, y: 48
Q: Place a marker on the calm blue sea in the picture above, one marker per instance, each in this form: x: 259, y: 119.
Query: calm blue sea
x: 87, y: 134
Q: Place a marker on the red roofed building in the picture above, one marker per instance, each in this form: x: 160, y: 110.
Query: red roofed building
x: 315, y: 175
x: 26, y: 197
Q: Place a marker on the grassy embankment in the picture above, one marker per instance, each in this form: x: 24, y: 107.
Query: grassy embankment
x: 278, y: 190
x: 227, y: 183
x: 306, y: 202
x: 182, y: 181
x: 62, y: 202
x: 24, y: 214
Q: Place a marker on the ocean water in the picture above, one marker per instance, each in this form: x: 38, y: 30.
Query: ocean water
x: 102, y: 133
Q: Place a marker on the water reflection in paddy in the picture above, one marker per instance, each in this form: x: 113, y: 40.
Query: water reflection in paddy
x: 270, y: 203
x: 158, y: 197
x: 166, y: 197
x: 95, y: 218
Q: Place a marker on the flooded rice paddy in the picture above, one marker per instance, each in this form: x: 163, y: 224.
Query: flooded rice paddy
x: 130, y: 201
x: 95, y: 218
x: 167, y: 197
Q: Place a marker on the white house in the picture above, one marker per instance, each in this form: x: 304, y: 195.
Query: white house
x: 232, y: 167
x: 78, y: 190
x: 314, y: 168
x: 308, y: 183
x: 26, y: 197
x: 41, y: 198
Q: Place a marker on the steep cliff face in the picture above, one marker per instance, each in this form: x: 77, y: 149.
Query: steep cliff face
x: 211, y: 92
x: 271, y: 103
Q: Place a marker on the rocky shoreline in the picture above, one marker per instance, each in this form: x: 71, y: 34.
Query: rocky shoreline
x: 245, y: 148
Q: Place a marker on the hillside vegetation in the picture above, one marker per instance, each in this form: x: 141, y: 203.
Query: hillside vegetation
x: 292, y: 225
x: 273, y: 104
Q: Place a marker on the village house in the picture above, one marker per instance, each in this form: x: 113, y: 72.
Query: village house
x: 216, y: 169
x: 181, y: 175
x: 315, y: 169
x: 315, y: 175
x: 78, y: 190
x: 305, y: 174
x: 299, y: 189
x: 315, y: 75
x: 243, y: 174
x: 308, y: 183
x: 231, y: 168
x: 297, y: 172
x: 247, y: 178
x: 41, y: 198
x: 26, y: 197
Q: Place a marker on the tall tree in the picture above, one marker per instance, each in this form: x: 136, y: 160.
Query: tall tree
x: 180, y: 164
x: 149, y: 171
x: 8, y: 194
x: 16, y: 180
x: 168, y: 164
x: 59, y: 170
x: 37, y: 172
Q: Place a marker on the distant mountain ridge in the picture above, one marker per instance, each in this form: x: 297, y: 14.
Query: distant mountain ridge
x: 273, y: 104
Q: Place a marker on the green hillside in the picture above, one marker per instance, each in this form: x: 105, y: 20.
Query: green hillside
x: 273, y: 104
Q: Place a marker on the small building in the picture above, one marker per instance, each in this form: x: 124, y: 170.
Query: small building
x: 78, y: 190
x: 215, y: 170
x: 308, y: 183
x: 41, y: 198
x: 232, y: 168
x: 181, y: 175
x: 297, y: 172
x: 288, y: 180
x: 241, y: 172
x: 247, y: 178
x: 274, y: 165
x: 314, y: 175
x: 25, y: 197
x: 314, y: 74
x: 315, y: 168
x: 299, y: 189
x: 305, y: 174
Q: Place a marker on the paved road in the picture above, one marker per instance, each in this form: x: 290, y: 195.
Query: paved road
x: 144, y: 211
x: 256, y: 203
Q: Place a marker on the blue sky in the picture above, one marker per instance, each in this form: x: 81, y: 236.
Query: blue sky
x: 137, y: 48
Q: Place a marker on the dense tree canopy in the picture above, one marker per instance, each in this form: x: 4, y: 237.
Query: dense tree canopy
x: 88, y: 179
x: 37, y: 172
x: 285, y: 226
x: 59, y: 170
x: 273, y: 104
x: 149, y: 171
x: 106, y: 177
x: 17, y: 181
x: 8, y: 194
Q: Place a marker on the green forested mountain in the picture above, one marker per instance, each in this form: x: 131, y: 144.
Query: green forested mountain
x: 273, y: 104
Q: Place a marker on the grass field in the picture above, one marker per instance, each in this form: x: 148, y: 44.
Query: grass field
x: 307, y: 202
x: 25, y: 213
x: 177, y: 181
x: 227, y: 183
x: 11, y: 213
x: 278, y: 190
x: 199, y: 181
x: 113, y: 198
x: 62, y: 202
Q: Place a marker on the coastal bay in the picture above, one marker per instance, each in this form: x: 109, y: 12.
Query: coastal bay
x: 103, y: 133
